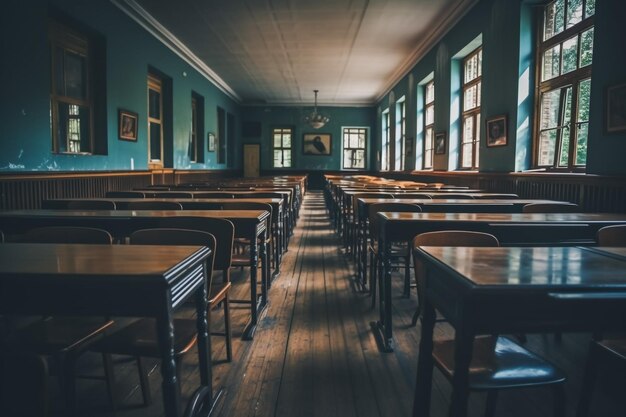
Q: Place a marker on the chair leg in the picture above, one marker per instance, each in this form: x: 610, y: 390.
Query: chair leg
x: 109, y: 376
x: 492, y: 398
x: 589, y: 378
x: 373, y: 279
x: 229, y: 351
x: 416, y: 316
x: 144, y: 381
x: 559, y: 400
x: 407, y: 273
x: 68, y: 383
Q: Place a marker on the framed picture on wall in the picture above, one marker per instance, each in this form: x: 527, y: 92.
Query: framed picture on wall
x: 127, y: 125
x: 316, y: 144
x: 211, y: 142
x: 440, y: 143
x: 496, y: 131
x: 616, y: 108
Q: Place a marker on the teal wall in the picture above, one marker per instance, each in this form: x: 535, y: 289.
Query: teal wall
x: 276, y: 116
x: 25, y: 138
x: 506, y: 32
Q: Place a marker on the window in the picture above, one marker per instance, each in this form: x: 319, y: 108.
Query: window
x: 196, y: 148
x: 155, y: 122
x: 221, y: 136
x: 282, y: 147
x: 470, y: 135
x: 565, y: 51
x: 71, y: 95
x: 429, y: 123
x: 400, y: 134
x: 384, y: 155
x: 354, y: 147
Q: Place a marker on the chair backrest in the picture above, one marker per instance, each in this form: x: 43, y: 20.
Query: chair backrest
x: 447, y: 238
x: 551, y: 208
x: 413, y: 195
x: 91, y: 205
x: 66, y: 234
x: 253, y: 205
x: 173, y: 195
x: 222, y: 229
x: 259, y: 195
x: 213, y: 195
x: 612, y: 235
x: 125, y: 194
x: 154, y: 205
x: 455, y: 196
x: 355, y: 198
x: 397, y: 207
x: 182, y: 237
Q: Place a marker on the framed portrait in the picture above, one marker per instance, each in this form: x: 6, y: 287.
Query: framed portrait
x: 127, y: 122
x: 496, y: 131
x: 316, y: 144
x: 616, y: 108
x: 211, y: 142
x: 440, y: 143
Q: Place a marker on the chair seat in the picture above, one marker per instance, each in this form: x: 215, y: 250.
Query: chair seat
x: 140, y: 339
x: 55, y: 335
x: 240, y: 260
x: 509, y: 365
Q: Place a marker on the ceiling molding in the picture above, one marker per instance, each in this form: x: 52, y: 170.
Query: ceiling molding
x: 429, y: 42
x: 160, y: 32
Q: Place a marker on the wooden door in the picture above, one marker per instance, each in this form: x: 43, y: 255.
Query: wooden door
x: 251, y: 160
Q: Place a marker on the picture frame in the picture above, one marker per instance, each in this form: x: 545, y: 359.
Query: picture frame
x: 319, y: 144
x: 440, y: 143
x: 615, y: 113
x: 211, y: 142
x: 496, y: 131
x: 127, y: 125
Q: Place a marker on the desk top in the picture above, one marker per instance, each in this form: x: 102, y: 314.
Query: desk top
x: 258, y: 215
x: 505, y: 217
x: 72, y: 261
x: 440, y: 199
x: 561, y: 268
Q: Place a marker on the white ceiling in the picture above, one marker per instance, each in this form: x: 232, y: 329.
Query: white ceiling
x: 279, y: 51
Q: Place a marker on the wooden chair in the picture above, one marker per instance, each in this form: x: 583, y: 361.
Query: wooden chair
x: 611, y: 348
x: 413, y: 196
x: 62, y: 339
x: 551, y: 208
x: 224, y: 232
x: 497, y: 362
x: 125, y: 194
x: 139, y: 339
x: 91, y: 205
x: 352, y: 232
x: 213, y: 195
x: 400, y: 256
x: 154, y: 205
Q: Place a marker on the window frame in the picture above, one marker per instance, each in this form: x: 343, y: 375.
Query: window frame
x: 282, y: 130
x: 473, y: 113
x: 155, y: 83
x: 561, y: 82
x: 385, y: 141
x: 77, y: 43
x: 346, y: 131
x: 427, y: 127
x: 400, y: 139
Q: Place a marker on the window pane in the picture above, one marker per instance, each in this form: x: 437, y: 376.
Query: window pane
x: 564, y: 151
x: 467, y: 155
x: 74, y: 75
x: 553, y: 19
x: 430, y: 115
x: 430, y: 92
x: 470, y: 98
x: 586, y: 47
x: 581, y: 144
x: 574, y: 12
x: 155, y: 141
x: 570, y: 55
x: 287, y: 140
x: 590, y: 8
x: 154, y: 100
x: 468, y: 130
x: 547, y: 143
x: 428, y: 158
x: 551, y: 63
x: 277, y: 141
x: 584, y: 97
x: 550, y: 109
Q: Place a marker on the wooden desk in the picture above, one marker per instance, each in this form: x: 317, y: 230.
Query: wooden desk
x: 249, y: 224
x: 112, y: 280
x: 514, y: 290
x: 510, y: 229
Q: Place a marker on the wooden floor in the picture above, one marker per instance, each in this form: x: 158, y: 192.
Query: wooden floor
x: 314, y: 353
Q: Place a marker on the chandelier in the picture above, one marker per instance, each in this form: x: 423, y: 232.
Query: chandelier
x: 314, y: 119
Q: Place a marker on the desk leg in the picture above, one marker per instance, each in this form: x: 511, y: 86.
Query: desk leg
x: 265, y: 270
x: 204, y: 341
x: 248, y: 332
x: 423, y: 382
x: 363, y: 260
x: 383, y: 328
x: 463, y: 346
x: 171, y: 388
